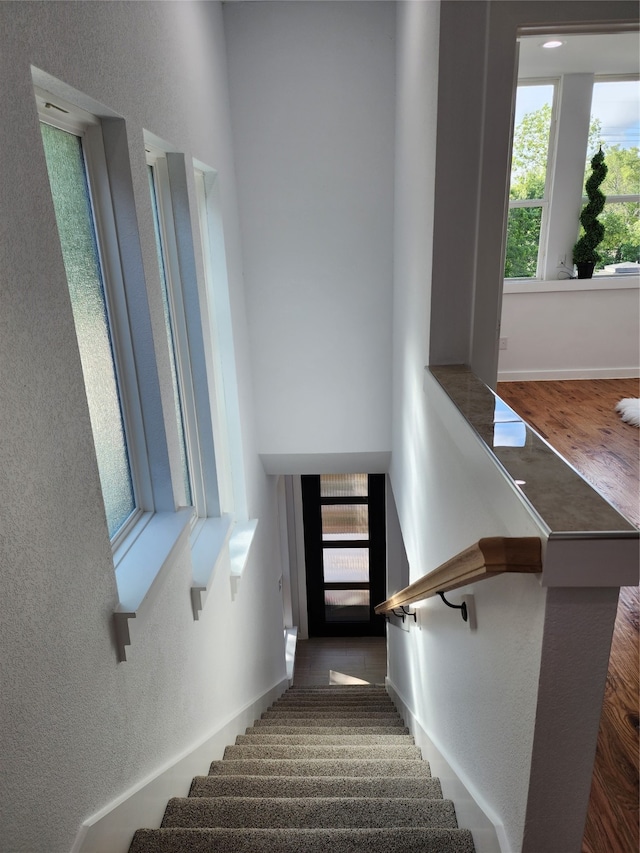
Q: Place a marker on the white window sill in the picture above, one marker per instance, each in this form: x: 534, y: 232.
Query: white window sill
x: 567, y: 285
x: 209, y: 542
x: 146, y: 553
x: 139, y: 564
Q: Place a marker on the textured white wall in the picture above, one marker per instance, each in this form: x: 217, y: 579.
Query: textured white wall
x: 312, y: 88
x: 571, y: 333
x: 77, y: 728
x: 473, y: 693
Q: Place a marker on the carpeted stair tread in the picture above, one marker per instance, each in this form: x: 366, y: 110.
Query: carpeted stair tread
x: 303, y: 722
x: 329, y: 769
x: 332, y: 699
x: 275, y: 750
x: 393, y: 731
x: 307, y: 813
x: 399, y: 840
x: 320, y: 767
x: 314, y: 714
x: 316, y: 786
x: 307, y: 739
x: 337, y: 706
x: 338, y: 688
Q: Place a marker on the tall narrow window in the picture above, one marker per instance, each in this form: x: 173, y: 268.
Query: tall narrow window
x: 528, y: 193
x: 171, y: 319
x: 76, y: 226
x: 615, y: 123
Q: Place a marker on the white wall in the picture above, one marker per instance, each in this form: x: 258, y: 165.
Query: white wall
x: 570, y: 330
x: 447, y: 491
x: 312, y: 89
x: 78, y: 728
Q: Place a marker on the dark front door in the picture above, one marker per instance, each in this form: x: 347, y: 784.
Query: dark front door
x: 345, y: 553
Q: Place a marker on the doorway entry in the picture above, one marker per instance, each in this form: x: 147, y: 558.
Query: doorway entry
x: 345, y: 553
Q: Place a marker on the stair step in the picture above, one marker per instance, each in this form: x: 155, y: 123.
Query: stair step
x: 275, y: 728
x: 350, y: 688
x: 303, y: 722
x: 320, y: 767
x: 261, y: 737
x: 308, y: 777
x: 366, y: 687
x: 267, y: 750
x: 313, y: 713
x: 301, y: 813
x: 331, y: 698
x: 400, y: 840
x: 337, y: 705
x: 315, y: 786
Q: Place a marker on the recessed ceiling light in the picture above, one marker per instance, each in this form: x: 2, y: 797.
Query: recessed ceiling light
x: 552, y: 43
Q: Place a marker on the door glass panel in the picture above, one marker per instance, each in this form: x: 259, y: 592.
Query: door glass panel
x: 345, y: 521
x: 346, y: 565
x: 346, y: 605
x: 344, y: 485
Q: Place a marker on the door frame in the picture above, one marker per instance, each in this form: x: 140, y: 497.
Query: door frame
x: 313, y: 547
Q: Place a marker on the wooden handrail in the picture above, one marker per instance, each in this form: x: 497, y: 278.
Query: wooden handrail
x: 486, y: 559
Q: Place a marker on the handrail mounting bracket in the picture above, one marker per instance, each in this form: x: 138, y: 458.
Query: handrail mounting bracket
x: 461, y: 607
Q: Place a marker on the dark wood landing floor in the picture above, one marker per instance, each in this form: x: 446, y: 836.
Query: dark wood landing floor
x: 578, y: 419
x: 340, y: 660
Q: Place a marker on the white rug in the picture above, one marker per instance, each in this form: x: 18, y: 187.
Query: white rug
x: 629, y: 410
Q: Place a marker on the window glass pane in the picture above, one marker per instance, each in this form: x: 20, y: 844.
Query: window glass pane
x: 345, y: 521
x: 615, y: 125
x: 344, y: 485
x: 615, y: 116
x: 621, y: 240
x: 65, y: 164
x: 531, y: 141
x: 346, y: 605
x: 523, y: 240
x: 529, y: 162
x: 346, y: 565
x: 177, y: 397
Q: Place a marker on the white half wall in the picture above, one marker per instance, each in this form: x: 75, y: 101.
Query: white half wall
x: 447, y: 491
x: 312, y: 105
x: 570, y: 330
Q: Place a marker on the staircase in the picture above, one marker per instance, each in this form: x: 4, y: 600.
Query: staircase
x: 326, y: 770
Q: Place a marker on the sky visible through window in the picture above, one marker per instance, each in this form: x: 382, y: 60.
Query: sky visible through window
x: 616, y: 104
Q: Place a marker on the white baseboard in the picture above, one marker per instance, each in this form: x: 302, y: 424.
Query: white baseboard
x: 111, y: 829
x: 574, y: 373
x: 487, y: 830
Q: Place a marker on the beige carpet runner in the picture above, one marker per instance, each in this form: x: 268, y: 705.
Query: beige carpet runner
x: 326, y: 770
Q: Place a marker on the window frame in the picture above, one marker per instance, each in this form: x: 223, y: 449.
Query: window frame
x: 145, y: 548
x: 227, y: 488
x: 562, y: 189
x: 179, y: 342
x: 56, y: 112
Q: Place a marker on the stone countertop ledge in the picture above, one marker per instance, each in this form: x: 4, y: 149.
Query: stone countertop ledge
x: 559, y: 496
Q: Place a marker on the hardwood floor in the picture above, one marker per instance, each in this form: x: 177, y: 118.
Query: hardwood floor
x: 578, y: 419
x: 340, y: 660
